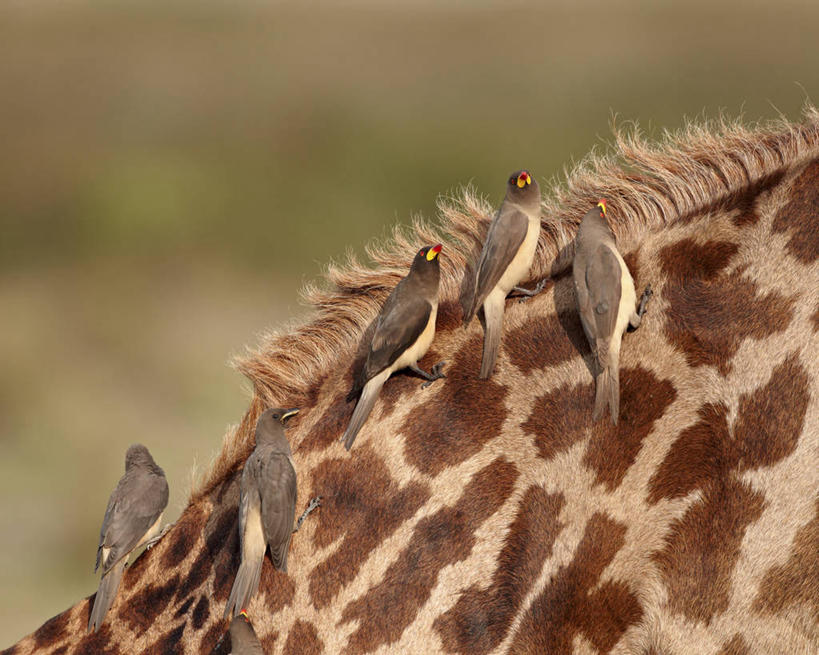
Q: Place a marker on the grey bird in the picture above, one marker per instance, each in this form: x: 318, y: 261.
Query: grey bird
x: 606, y: 300
x: 243, y: 639
x: 267, y: 506
x: 132, y: 518
x: 505, y: 260
x: 403, y: 333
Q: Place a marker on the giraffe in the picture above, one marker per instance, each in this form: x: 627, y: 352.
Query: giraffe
x: 493, y: 516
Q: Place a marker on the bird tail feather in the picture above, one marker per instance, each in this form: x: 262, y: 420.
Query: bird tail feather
x: 608, y: 388
x: 365, y: 405
x: 245, y: 584
x: 493, y: 319
x: 106, y: 593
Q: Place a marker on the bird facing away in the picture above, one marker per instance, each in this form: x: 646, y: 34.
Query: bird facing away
x: 243, y: 639
x: 267, y: 506
x: 403, y: 333
x: 132, y: 518
x: 606, y: 301
x: 505, y: 260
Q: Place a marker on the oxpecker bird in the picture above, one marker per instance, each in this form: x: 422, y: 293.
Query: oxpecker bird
x: 403, y: 333
x: 132, y: 518
x: 606, y: 300
x: 243, y: 639
x: 267, y: 506
x: 505, y: 260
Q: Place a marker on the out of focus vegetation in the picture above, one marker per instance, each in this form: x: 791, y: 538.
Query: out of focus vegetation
x: 171, y: 173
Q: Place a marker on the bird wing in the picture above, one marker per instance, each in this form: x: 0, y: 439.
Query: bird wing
x: 277, y: 483
x: 603, y: 285
x: 135, y: 505
x: 503, y: 241
x: 402, y: 320
x: 248, y: 494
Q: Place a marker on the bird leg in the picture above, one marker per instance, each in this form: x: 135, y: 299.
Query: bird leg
x: 153, y: 541
x: 313, y: 504
x: 435, y: 373
x: 647, y: 293
x: 526, y: 293
x: 636, y: 318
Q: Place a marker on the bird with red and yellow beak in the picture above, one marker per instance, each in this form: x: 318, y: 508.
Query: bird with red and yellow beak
x: 606, y: 300
x: 403, y: 333
x: 505, y: 260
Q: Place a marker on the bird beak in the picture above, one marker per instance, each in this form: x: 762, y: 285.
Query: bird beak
x: 432, y: 253
x: 602, y: 205
x: 288, y: 413
x: 524, y: 179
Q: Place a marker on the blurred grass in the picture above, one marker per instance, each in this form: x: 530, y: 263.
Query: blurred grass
x: 170, y: 174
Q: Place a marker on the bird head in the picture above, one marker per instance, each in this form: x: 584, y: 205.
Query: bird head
x: 427, y: 264
x: 601, y: 205
x: 278, y: 415
x: 522, y: 187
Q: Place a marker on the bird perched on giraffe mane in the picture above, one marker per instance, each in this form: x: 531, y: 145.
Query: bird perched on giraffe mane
x: 267, y: 506
x: 132, y: 518
x: 606, y: 300
x: 403, y: 333
x: 505, y: 260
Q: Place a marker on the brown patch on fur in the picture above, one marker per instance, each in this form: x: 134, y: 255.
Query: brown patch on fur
x: 220, y: 549
x: 688, y: 260
x: 815, y: 319
x: 278, y: 587
x: 98, y: 642
x: 544, y: 341
x: 461, y: 416
x: 797, y: 581
x: 696, y: 458
x: 52, y: 631
x: 183, y: 536
x: 12, y: 650
x: 438, y: 540
x: 769, y: 422
x: 480, y: 619
x: 201, y: 613
x: 612, y: 449
x: 800, y: 217
x: 703, y: 546
x: 329, y: 428
x: 142, y: 609
x: 268, y: 642
x: 736, y: 645
x: 361, y: 504
x: 168, y: 644
x: 770, y: 419
x: 184, y: 607
x: 708, y: 316
x: 449, y: 316
x: 303, y: 640
x: 559, y: 418
x: 573, y: 602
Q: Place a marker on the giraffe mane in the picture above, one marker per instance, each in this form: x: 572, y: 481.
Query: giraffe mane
x: 647, y: 185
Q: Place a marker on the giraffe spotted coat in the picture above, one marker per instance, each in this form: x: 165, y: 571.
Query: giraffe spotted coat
x: 494, y: 516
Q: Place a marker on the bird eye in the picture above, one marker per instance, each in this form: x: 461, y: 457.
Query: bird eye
x: 421, y: 252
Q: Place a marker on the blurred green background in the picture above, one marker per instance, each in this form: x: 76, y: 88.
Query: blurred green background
x: 172, y: 173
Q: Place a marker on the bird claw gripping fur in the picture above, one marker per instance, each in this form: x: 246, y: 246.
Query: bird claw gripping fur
x: 435, y: 373
x: 526, y: 293
x: 313, y: 504
x: 153, y: 542
x: 647, y: 293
